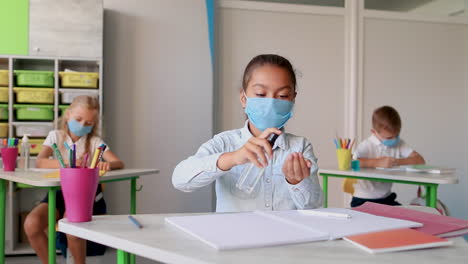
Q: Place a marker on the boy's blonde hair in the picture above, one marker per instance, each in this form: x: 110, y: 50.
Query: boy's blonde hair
x: 88, y: 102
x: 387, y: 118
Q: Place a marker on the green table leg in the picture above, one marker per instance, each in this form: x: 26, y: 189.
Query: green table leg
x: 431, y: 195
x: 133, y: 196
x: 132, y: 210
x: 325, y: 190
x: 2, y: 219
x: 122, y: 257
x: 51, y: 231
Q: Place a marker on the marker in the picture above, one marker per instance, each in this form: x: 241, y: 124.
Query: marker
x: 58, y: 155
x: 338, y: 144
x: 325, y: 214
x: 103, y: 147
x: 66, y: 145
x: 134, y: 221
x: 74, y: 155
x: 70, y: 158
x: 85, y: 160
x: 95, y: 158
x: 352, y: 143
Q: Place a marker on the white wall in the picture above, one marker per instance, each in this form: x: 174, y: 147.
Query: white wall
x: 315, y: 46
x: 421, y: 69
x: 157, y: 97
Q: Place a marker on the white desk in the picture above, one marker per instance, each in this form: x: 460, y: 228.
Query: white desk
x: 36, y: 179
x: 162, y: 242
x: 429, y: 180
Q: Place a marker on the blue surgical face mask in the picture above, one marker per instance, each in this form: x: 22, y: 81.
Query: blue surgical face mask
x: 268, y: 112
x: 391, y: 142
x: 78, y: 129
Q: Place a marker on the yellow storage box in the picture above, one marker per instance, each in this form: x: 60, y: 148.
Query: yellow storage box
x: 34, y: 95
x: 36, y: 145
x: 4, y: 78
x: 3, y: 130
x: 3, y: 94
x: 79, y: 79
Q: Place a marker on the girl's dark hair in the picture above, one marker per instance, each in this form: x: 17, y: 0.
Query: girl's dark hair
x: 271, y: 59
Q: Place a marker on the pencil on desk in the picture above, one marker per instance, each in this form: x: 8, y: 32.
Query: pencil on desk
x: 134, y: 221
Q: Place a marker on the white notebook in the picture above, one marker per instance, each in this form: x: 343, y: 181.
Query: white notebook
x: 271, y: 228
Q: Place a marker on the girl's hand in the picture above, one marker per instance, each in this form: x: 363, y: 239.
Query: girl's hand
x: 254, y: 150
x: 296, y: 168
x: 103, y: 165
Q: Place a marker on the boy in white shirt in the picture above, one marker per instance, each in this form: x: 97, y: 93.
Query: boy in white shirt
x: 384, y: 149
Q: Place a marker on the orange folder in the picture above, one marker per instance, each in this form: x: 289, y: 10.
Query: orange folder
x: 396, y: 240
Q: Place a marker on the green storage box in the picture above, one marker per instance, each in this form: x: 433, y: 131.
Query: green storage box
x: 34, y: 78
x: 34, y: 112
x: 63, y: 108
x: 3, y: 112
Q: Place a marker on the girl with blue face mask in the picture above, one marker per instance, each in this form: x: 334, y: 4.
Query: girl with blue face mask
x: 290, y: 171
x: 77, y: 126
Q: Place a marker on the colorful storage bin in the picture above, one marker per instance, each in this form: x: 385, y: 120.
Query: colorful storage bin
x: 68, y: 96
x: 4, y: 78
x: 79, y: 79
x: 3, y: 94
x: 36, y: 145
x: 33, y: 130
x: 34, y: 112
x: 63, y: 108
x: 34, y: 95
x: 3, y: 130
x: 3, y: 112
x: 34, y: 78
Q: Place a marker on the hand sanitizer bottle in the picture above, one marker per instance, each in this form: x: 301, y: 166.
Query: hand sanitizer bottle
x: 252, y: 174
x: 25, y: 152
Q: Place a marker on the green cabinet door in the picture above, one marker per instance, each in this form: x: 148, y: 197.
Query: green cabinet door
x: 14, y: 27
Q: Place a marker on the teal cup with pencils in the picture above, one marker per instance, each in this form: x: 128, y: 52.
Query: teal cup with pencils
x: 344, y: 153
x: 79, y: 186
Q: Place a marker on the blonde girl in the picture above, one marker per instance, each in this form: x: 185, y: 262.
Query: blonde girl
x: 77, y: 126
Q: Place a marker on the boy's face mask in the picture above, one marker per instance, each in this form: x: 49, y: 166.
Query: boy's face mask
x: 391, y: 142
x: 268, y: 112
x: 78, y: 129
x: 387, y: 142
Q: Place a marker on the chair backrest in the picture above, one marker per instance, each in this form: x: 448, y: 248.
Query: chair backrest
x: 348, y: 185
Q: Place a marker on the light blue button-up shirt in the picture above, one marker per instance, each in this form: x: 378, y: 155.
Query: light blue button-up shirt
x: 272, y: 192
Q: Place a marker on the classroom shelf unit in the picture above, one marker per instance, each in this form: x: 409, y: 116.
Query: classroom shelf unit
x: 44, y: 35
x: 24, y: 199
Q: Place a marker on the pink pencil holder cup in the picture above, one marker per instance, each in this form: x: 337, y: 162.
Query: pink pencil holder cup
x: 79, y: 186
x: 9, y: 156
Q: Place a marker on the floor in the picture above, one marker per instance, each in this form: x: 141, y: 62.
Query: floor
x: 108, y: 258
